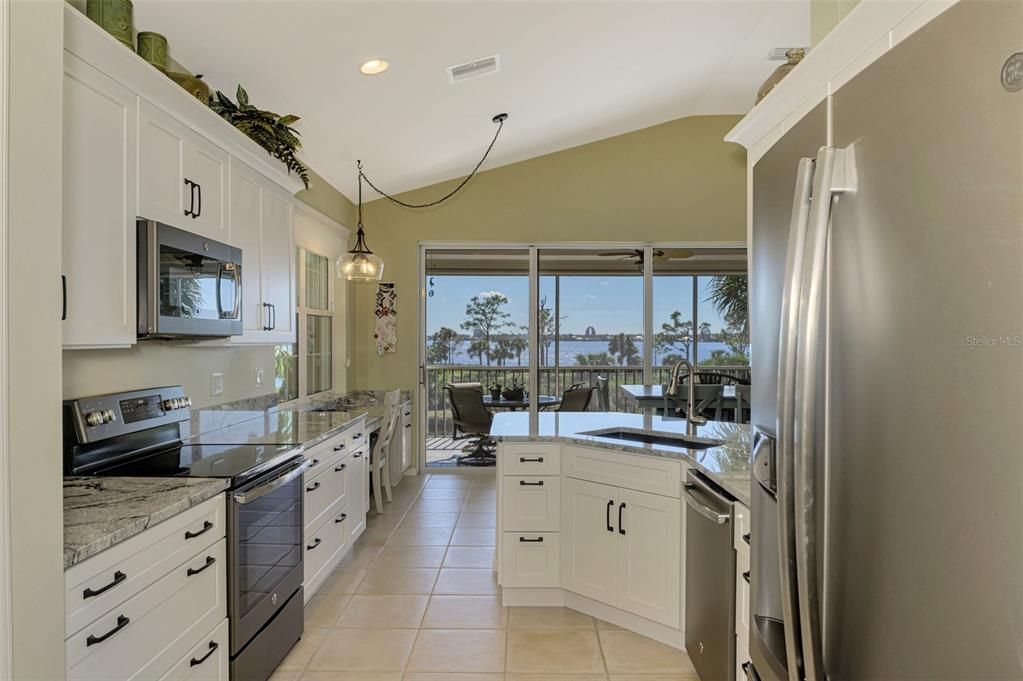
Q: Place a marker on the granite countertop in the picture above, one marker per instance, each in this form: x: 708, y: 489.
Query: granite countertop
x: 101, y: 512
x: 728, y: 464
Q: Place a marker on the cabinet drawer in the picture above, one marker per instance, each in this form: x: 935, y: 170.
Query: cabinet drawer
x: 323, y: 492
x: 742, y: 603
x: 324, y: 548
x: 641, y: 473
x: 530, y: 559
x: 146, y: 635
x: 207, y: 661
x: 95, y: 586
x: 530, y: 459
x: 531, y: 503
x: 740, y: 530
x: 322, y: 456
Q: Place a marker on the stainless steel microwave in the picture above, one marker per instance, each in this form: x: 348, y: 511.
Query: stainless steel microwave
x: 188, y: 286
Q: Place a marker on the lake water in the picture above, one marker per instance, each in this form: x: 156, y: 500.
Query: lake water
x: 568, y: 350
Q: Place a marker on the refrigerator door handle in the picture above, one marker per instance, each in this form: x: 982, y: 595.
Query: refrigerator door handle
x: 834, y: 173
x: 786, y: 381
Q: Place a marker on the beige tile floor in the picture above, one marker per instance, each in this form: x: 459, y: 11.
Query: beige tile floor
x: 417, y: 600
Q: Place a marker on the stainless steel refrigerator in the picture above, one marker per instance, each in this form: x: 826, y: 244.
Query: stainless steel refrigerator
x: 887, y: 334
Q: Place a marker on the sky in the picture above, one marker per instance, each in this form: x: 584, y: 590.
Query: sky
x: 609, y: 304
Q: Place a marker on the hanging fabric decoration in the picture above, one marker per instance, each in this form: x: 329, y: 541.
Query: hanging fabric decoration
x: 385, y: 331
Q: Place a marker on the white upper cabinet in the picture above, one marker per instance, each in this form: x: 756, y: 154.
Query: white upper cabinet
x: 261, y: 225
x: 98, y: 259
x: 278, y: 264
x: 182, y: 177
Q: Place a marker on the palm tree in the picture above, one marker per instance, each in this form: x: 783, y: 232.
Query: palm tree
x: 730, y: 296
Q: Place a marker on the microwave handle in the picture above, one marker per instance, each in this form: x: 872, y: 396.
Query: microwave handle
x: 236, y: 304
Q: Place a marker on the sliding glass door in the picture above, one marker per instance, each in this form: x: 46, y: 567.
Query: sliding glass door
x: 594, y: 317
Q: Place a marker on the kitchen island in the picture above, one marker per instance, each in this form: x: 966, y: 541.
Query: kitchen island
x: 592, y: 511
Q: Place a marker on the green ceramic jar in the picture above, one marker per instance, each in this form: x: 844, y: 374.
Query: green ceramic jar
x: 114, y: 17
x: 153, y: 48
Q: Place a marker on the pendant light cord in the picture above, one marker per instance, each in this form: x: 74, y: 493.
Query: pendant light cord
x: 499, y: 119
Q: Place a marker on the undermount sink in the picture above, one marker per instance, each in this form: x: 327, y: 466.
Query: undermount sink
x: 655, y: 438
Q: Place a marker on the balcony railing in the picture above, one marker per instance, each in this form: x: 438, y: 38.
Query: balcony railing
x: 553, y: 381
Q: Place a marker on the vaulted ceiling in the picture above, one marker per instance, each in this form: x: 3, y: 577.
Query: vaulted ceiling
x: 571, y: 72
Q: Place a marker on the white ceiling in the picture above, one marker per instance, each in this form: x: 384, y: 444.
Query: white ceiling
x: 571, y: 72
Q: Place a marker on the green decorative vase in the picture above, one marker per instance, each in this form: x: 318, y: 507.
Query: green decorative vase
x: 114, y: 17
x: 153, y: 48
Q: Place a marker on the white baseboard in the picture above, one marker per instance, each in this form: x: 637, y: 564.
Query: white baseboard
x: 561, y: 598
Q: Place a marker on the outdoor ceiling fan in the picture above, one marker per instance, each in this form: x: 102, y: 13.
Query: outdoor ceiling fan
x: 637, y: 254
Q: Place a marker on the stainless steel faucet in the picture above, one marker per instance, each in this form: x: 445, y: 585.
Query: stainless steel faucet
x: 672, y: 391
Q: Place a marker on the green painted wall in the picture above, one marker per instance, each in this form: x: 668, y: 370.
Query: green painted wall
x: 825, y: 15
x: 322, y: 196
x: 678, y: 181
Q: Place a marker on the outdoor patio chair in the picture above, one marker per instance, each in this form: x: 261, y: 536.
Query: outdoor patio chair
x: 576, y: 398
x: 471, y: 416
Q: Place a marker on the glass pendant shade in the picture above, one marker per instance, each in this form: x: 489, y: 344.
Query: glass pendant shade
x: 360, y: 263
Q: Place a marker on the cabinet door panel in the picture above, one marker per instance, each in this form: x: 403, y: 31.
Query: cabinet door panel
x: 589, y: 550
x: 650, y: 535
x: 358, y: 493
x: 279, y: 265
x: 245, y: 221
x: 206, y: 165
x: 99, y: 208
x: 161, y: 192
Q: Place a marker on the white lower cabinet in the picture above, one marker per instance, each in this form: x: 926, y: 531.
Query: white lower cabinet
x: 358, y: 491
x: 649, y: 550
x: 148, y: 625
x: 590, y: 554
x: 531, y: 559
x: 325, y: 546
x: 207, y: 661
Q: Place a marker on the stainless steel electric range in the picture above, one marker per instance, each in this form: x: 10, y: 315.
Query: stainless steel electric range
x: 138, y: 434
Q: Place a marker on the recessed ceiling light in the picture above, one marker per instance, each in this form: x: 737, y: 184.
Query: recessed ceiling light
x: 373, y: 67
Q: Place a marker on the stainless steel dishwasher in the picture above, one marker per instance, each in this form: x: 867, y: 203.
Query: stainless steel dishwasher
x: 710, y: 579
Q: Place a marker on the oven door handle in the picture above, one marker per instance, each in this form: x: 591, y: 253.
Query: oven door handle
x: 245, y: 496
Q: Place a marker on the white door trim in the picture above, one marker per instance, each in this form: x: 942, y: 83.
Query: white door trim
x: 6, y: 670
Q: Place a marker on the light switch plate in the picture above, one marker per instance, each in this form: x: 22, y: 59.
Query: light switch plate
x: 259, y: 377
x: 216, y: 384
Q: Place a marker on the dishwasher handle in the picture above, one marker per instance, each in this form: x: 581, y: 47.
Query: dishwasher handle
x: 706, y: 511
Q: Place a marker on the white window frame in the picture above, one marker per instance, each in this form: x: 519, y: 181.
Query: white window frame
x: 318, y: 234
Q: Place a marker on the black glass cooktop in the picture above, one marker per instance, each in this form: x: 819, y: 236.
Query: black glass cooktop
x: 238, y: 463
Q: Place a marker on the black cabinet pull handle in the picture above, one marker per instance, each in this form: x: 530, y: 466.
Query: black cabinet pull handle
x: 745, y: 576
x: 118, y: 578
x: 538, y: 483
x: 621, y: 529
x: 199, y: 187
x: 746, y: 538
x: 196, y: 661
x: 607, y: 515
x: 63, y: 293
x: 526, y: 459
x: 273, y: 316
x: 339, y: 448
x: 356, y: 456
x: 341, y: 468
x: 357, y: 436
x: 189, y: 212
x: 206, y: 527
x: 266, y: 326
x: 210, y: 560
x: 316, y: 542
x: 315, y: 462
x: 344, y: 516
x: 408, y: 425
x: 531, y: 541
x: 313, y: 487
x: 122, y: 622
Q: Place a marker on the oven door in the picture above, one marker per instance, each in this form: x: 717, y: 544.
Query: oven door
x: 265, y: 549
x: 189, y: 286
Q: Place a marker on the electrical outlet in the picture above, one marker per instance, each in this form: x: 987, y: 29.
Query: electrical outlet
x: 216, y: 384
x: 259, y: 377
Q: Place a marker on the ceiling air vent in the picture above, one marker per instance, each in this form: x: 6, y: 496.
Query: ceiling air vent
x: 472, y: 69
x: 778, y: 53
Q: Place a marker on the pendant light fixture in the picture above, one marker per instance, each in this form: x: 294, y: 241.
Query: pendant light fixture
x: 360, y: 263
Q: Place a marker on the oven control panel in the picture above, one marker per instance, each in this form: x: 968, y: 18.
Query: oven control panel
x: 103, y: 416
